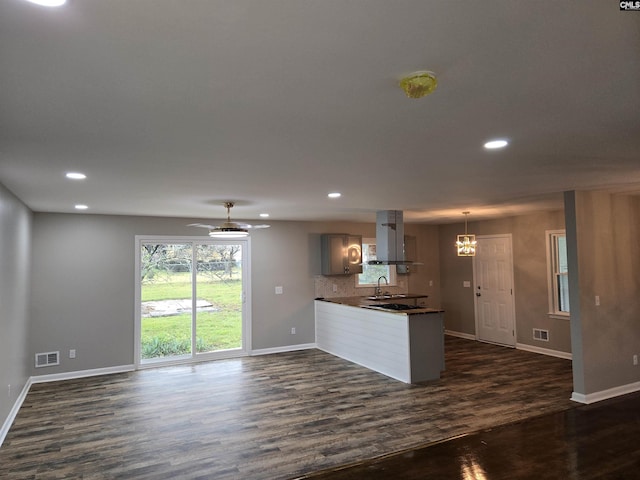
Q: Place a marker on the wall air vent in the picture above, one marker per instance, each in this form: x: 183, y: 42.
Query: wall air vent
x: 542, y: 335
x: 47, y: 359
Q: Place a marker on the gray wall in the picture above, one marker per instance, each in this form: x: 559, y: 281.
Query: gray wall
x: 83, y: 285
x: 15, y: 269
x: 425, y: 278
x: 530, y: 277
x: 605, y: 244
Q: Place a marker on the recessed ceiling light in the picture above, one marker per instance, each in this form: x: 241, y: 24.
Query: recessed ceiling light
x: 264, y: 215
x: 493, y: 144
x: 49, y: 3
x: 81, y: 207
x: 334, y: 195
x: 76, y: 176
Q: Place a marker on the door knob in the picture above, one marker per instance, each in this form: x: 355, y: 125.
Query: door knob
x: 478, y: 294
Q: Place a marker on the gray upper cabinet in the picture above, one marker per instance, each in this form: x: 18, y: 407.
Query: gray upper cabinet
x: 341, y: 254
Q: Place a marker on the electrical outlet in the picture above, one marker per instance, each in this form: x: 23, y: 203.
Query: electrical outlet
x: 335, y: 288
x: 9, y: 390
x: 279, y: 290
x: 293, y: 330
x: 597, y: 300
x: 431, y: 283
x: 72, y: 353
x: 635, y: 359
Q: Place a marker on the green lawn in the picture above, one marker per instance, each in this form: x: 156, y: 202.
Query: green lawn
x: 171, y: 335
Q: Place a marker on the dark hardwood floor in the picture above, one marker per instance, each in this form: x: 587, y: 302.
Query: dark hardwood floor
x: 275, y: 416
x: 587, y: 442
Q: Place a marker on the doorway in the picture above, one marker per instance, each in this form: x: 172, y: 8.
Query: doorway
x: 493, y: 283
x: 191, y: 300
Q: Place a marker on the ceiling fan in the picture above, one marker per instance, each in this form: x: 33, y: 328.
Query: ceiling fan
x: 228, y: 229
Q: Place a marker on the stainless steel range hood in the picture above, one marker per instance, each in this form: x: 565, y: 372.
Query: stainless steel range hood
x: 390, y: 239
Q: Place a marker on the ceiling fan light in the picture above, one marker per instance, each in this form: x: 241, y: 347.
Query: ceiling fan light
x: 48, y: 3
x: 228, y: 229
x: 419, y: 84
x: 229, y: 232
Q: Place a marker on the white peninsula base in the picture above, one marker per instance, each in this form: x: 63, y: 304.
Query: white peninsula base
x: 407, y: 347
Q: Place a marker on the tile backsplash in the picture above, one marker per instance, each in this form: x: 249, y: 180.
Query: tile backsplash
x: 345, y: 286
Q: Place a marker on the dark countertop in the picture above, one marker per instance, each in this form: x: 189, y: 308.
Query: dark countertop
x: 369, y: 303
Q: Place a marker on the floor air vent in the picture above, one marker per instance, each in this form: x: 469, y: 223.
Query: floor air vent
x: 47, y: 359
x: 542, y: 335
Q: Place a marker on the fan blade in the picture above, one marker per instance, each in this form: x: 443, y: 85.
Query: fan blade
x: 201, y: 225
x: 247, y: 225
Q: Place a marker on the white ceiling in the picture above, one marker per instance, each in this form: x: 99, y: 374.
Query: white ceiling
x: 172, y: 107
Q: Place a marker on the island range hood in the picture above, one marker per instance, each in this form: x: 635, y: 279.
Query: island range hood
x: 390, y: 239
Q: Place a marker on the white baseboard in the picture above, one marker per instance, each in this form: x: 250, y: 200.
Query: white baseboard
x: 579, y: 397
x: 14, y: 411
x: 55, y: 377
x: 544, y: 351
x: 287, y: 348
x: 467, y: 336
x: 605, y: 394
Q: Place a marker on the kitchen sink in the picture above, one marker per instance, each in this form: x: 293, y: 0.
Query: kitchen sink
x: 387, y: 296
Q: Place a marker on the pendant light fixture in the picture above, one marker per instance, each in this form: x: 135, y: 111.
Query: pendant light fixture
x: 466, y: 243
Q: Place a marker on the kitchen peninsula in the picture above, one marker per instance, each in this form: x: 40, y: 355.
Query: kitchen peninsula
x: 407, y: 345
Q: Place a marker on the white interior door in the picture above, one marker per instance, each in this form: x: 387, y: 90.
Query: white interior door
x: 493, y: 283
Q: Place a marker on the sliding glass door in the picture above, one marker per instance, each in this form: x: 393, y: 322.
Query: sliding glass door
x: 191, y: 299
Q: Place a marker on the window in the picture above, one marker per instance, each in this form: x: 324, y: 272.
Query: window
x: 558, y: 272
x: 371, y: 273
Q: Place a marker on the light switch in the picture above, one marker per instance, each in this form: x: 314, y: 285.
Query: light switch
x: 466, y: 284
x: 279, y: 290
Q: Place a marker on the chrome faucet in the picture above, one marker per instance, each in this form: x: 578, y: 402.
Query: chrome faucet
x: 378, y: 289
